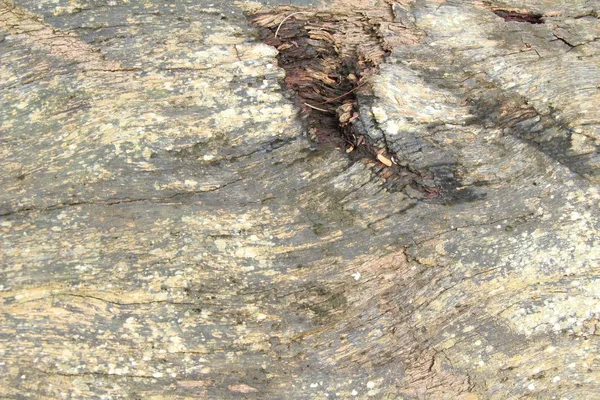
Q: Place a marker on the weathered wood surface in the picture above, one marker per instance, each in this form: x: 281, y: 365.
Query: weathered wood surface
x: 169, y: 231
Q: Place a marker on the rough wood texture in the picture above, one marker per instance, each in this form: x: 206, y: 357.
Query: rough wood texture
x: 170, y: 231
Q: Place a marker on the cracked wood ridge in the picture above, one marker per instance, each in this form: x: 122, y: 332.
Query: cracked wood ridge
x: 224, y: 200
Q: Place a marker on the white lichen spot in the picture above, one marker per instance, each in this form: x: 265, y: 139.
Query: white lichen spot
x: 261, y: 317
x: 379, y: 114
x: 370, y: 384
x: 246, y: 252
x: 221, y: 244
x: 531, y: 387
x: 147, y: 153
x: 354, y: 393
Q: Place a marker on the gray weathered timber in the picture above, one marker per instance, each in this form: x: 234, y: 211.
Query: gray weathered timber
x: 169, y: 231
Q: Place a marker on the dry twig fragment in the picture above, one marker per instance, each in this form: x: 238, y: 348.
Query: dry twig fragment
x: 384, y: 160
x: 291, y: 15
x: 315, y: 108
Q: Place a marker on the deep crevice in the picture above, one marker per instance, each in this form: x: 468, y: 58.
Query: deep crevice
x: 520, y: 16
x: 324, y: 71
x: 329, y: 58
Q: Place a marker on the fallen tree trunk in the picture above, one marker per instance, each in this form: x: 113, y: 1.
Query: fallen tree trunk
x: 171, y: 227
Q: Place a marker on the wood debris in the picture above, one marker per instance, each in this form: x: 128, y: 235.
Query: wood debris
x: 329, y: 57
x: 384, y: 160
